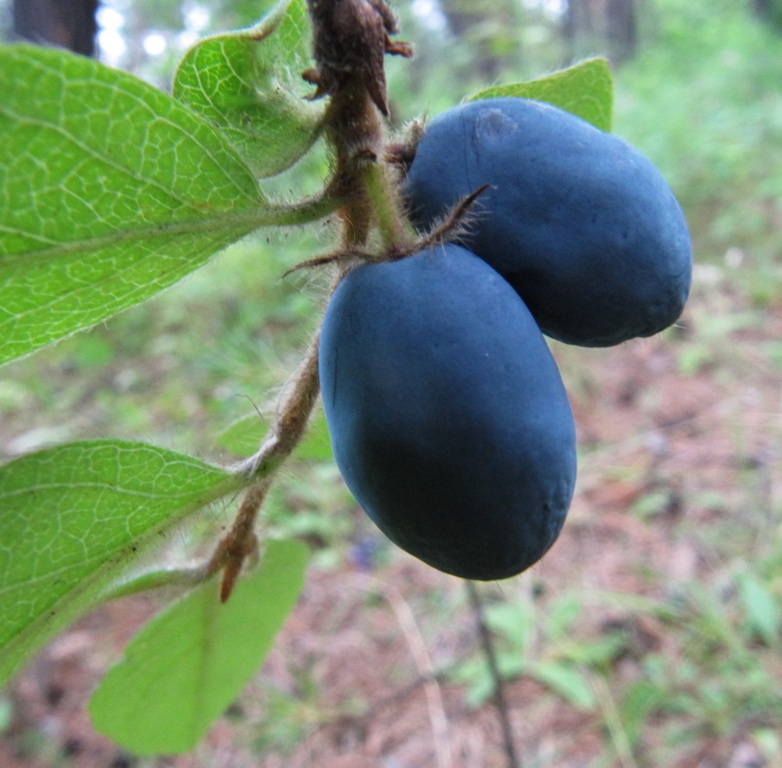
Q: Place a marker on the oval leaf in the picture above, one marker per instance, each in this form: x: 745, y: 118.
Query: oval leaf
x: 566, y: 681
x: 73, y: 517
x: 249, y: 84
x: 586, y: 89
x: 110, y: 190
x: 190, y: 662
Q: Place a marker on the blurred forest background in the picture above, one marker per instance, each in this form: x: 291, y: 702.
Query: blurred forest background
x: 651, y: 635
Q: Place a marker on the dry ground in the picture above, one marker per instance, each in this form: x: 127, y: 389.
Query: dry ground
x: 679, y: 485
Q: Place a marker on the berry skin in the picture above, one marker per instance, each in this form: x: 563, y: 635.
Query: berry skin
x: 580, y: 223
x: 447, y: 414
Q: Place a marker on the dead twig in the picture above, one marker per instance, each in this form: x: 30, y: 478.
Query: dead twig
x: 489, y: 652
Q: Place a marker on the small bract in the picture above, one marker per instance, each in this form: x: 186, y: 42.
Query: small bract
x: 447, y: 414
x: 582, y: 225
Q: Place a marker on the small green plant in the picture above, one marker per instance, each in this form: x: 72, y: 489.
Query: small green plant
x: 541, y: 650
x: 110, y: 191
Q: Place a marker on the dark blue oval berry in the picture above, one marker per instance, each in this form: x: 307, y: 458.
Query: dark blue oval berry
x: 447, y: 414
x: 580, y: 223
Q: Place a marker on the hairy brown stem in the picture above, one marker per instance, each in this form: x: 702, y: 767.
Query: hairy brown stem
x: 241, y: 541
x: 287, y: 430
x: 364, y: 179
x: 291, y: 421
x: 351, y: 38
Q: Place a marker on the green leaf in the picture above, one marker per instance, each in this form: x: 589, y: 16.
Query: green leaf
x: 244, y: 436
x: 249, y: 84
x: 110, y: 190
x: 562, y: 615
x: 566, y: 681
x: 6, y: 714
x: 513, y: 621
x: 595, y: 653
x: 481, y: 683
x: 73, y: 517
x: 761, y: 608
x: 480, y: 691
x: 190, y: 662
x: 586, y: 89
x: 640, y: 700
x: 316, y: 445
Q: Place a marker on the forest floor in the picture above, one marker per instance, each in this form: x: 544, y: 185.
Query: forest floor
x: 639, y: 641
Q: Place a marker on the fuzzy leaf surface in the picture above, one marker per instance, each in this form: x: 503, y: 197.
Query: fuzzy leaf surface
x: 110, y: 191
x: 190, y: 662
x: 586, y: 89
x: 249, y: 84
x: 73, y: 517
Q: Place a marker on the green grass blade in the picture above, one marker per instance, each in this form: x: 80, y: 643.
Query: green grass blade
x: 73, y: 517
x: 190, y: 662
x: 110, y: 190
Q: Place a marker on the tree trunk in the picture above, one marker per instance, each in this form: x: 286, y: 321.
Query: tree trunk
x: 69, y: 24
x: 481, y: 24
x: 577, y: 20
x: 621, y: 29
x: 609, y: 27
x: 770, y: 11
x: 762, y: 8
x: 578, y: 27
